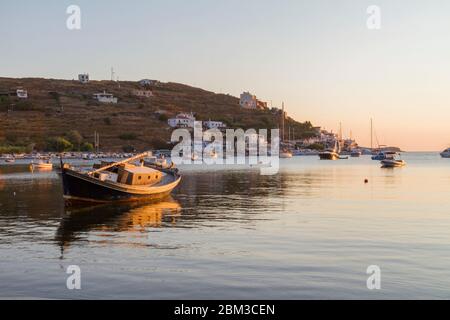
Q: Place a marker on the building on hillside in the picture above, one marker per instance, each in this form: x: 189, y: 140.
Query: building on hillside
x: 22, y: 94
x: 214, y: 124
x: 182, y: 120
x: 143, y: 93
x: 105, y: 97
x: 83, y: 78
x: 261, y: 104
x: 148, y: 82
x: 249, y: 101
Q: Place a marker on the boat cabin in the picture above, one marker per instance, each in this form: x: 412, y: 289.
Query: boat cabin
x: 137, y: 175
x: 129, y: 174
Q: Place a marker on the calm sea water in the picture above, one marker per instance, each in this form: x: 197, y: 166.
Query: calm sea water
x: 309, y: 232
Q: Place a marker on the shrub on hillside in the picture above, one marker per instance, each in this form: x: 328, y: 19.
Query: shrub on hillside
x: 87, y: 147
x: 75, y: 138
x: 58, y: 144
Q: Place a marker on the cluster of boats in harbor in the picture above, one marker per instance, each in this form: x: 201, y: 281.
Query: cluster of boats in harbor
x: 151, y: 177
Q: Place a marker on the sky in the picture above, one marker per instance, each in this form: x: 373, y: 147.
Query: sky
x: 319, y: 57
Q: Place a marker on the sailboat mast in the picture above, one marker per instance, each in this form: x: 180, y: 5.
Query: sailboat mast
x: 371, y: 134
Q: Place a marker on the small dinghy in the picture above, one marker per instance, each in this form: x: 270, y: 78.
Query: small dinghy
x: 391, y: 160
x: 42, y: 165
x: 118, y: 181
x: 10, y: 160
x: 285, y: 154
x: 356, y: 153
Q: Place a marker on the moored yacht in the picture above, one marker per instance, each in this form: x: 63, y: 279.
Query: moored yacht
x: 445, y: 153
x: 391, y: 160
x: 330, y: 154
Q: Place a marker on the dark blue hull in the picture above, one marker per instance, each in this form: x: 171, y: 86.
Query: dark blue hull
x: 78, y: 188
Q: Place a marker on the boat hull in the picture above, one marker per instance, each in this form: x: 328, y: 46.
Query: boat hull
x: 328, y: 156
x: 445, y: 155
x: 392, y: 163
x: 79, y: 188
x: 41, y: 166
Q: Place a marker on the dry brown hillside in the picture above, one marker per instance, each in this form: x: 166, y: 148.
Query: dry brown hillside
x: 56, y: 107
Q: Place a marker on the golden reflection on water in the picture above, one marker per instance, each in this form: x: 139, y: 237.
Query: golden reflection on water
x: 133, y: 217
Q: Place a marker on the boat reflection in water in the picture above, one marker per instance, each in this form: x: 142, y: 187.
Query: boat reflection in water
x: 78, y: 223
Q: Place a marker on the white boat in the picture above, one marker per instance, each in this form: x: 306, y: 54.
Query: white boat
x: 213, y: 154
x: 330, y: 154
x: 445, y: 153
x: 10, y: 159
x: 355, y: 153
x: 392, y: 161
x: 42, y: 165
x: 285, y: 154
x: 194, y: 156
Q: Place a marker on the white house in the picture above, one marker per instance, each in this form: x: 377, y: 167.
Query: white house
x: 182, y: 120
x: 22, y: 94
x: 249, y: 101
x: 214, y: 124
x: 143, y: 93
x: 105, y: 97
x: 148, y: 82
x: 83, y: 78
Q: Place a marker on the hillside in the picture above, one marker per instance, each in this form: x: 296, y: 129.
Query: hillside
x: 54, y: 108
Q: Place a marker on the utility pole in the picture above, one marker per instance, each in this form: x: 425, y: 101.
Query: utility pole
x: 96, y: 141
x: 282, y: 121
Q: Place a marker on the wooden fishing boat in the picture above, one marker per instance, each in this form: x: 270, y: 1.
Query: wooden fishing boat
x: 118, y: 181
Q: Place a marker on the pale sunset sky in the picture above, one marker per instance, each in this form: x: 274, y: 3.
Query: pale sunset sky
x: 318, y: 56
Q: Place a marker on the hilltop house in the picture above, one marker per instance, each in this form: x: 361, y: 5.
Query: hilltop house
x: 148, y: 82
x: 22, y: 94
x: 183, y: 120
x: 83, y: 78
x: 249, y: 101
x: 105, y: 97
